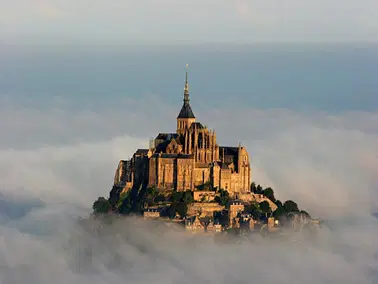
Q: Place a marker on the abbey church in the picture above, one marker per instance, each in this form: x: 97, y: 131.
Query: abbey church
x: 188, y: 159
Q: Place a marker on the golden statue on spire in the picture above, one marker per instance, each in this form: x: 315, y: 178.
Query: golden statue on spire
x: 186, y: 89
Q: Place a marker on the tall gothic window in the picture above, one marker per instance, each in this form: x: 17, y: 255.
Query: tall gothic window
x: 200, y: 140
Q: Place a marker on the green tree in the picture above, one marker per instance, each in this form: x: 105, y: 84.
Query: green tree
x: 176, y: 196
x: 223, y: 198
x: 269, y: 193
x: 254, y: 210
x: 253, y: 187
x: 290, y: 206
x: 278, y: 203
x: 180, y: 207
x: 122, y: 197
x: 171, y: 212
x: 265, y: 207
x: 221, y: 217
x: 101, y: 205
x: 187, y: 197
x: 160, y: 198
x: 126, y: 206
x: 279, y: 212
x: 150, y: 194
x: 151, y: 191
x: 259, y: 189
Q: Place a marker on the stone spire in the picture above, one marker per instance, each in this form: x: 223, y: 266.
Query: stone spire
x: 186, y: 110
x: 186, y: 88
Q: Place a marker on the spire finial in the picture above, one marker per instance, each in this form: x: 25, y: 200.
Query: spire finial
x: 186, y: 89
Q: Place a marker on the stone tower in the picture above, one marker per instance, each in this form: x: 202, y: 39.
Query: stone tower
x: 186, y: 116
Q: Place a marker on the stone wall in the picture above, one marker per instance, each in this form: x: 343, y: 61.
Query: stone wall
x: 235, y: 183
x: 244, y: 169
x: 201, y: 175
x: 225, y: 179
x: 151, y: 214
x: 215, y: 176
x: 167, y: 173
x: 206, y: 195
x: 152, y: 178
x: 185, y: 174
x: 206, y: 209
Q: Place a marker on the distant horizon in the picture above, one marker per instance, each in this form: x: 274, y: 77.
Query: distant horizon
x: 217, y: 44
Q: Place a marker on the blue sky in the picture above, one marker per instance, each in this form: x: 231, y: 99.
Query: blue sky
x: 331, y: 78
x: 177, y: 21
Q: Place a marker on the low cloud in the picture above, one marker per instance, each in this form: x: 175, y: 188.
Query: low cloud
x: 133, y: 251
x: 327, y: 163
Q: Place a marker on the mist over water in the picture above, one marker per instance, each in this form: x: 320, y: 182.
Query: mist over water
x: 58, y: 155
x: 134, y: 251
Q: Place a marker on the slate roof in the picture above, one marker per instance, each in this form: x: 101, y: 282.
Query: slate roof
x: 180, y: 156
x: 197, y: 125
x: 141, y: 151
x: 162, y: 147
x: 186, y: 111
x: 166, y: 136
x: 228, y: 151
x: 230, y: 155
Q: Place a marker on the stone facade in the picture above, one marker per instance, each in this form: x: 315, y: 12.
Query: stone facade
x: 151, y: 213
x: 236, y: 207
x: 187, y: 159
x: 196, y: 224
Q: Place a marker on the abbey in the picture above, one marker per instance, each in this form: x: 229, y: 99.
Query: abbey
x: 188, y: 159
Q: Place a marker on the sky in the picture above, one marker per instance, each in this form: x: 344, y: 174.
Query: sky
x: 128, y: 22
x: 83, y: 85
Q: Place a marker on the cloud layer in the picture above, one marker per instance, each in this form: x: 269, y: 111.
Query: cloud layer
x: 326, y: 162
x: 54, y: 162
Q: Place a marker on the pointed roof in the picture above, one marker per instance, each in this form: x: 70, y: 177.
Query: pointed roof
x: 186, y: 110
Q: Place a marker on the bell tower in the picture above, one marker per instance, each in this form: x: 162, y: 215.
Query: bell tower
x: 186, y: 116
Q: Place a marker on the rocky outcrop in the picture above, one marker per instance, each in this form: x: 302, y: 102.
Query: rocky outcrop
x: 123, y: 174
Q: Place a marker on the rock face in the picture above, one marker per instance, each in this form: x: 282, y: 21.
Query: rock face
x: 123, y: 176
